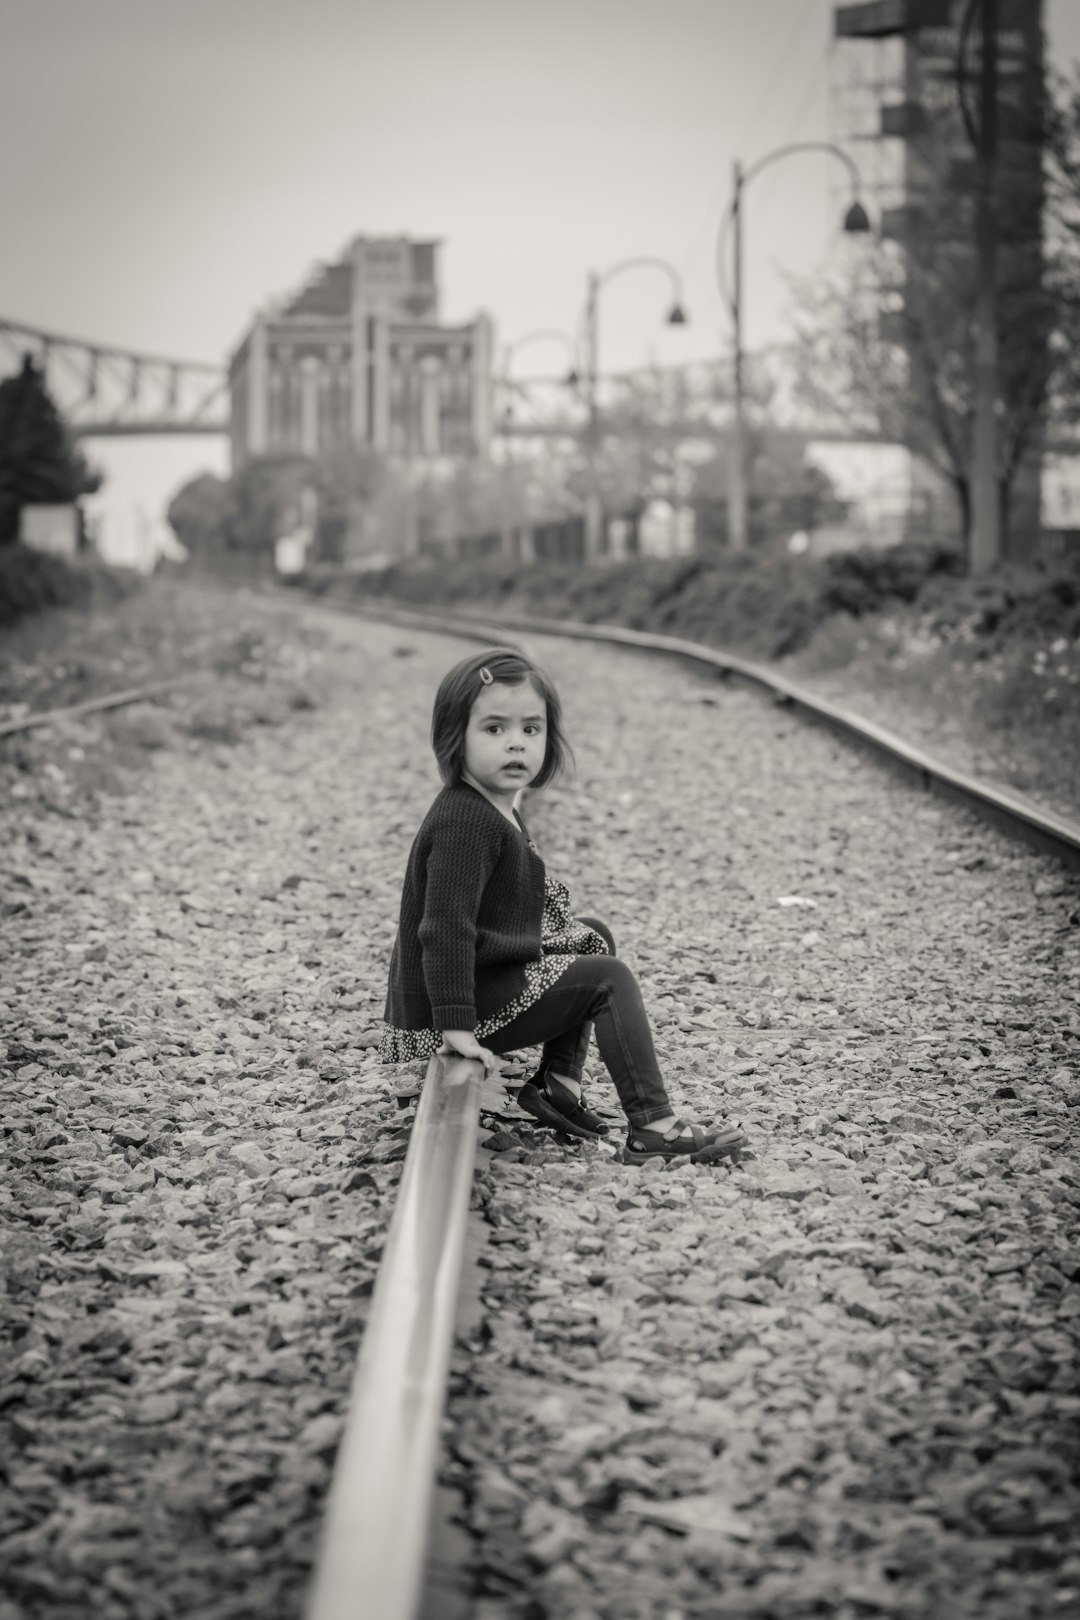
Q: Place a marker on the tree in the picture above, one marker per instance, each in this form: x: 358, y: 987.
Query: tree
x: 350, y: 483
x: 198, y: 514
x: 1063, y: 247
x: 787, y: 492
x: 39, y: 460
x: 651, y: 427
x: 271, y: 496
x: 264, y: 502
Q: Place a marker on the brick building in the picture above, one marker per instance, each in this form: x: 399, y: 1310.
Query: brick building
x: 360, y: 357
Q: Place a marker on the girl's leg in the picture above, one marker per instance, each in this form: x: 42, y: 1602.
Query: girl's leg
x: 601, y: 990
x: 569, y: 1066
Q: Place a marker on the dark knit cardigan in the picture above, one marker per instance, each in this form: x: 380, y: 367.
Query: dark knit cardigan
x: 471, y: 912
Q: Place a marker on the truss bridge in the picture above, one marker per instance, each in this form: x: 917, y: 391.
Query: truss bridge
x: 106, y: 392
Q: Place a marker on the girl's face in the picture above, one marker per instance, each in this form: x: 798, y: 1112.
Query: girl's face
x: 505, y: 740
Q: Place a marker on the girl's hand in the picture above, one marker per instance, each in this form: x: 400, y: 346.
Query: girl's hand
x: 465, y: 1043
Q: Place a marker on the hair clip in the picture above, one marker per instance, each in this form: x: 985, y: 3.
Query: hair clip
x: 486, y: 676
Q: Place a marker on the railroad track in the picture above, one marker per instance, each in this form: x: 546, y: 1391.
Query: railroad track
x: 1012, y: 813
x: 372, y: 1557
x: 381, y: 1498
x: 95, y: 705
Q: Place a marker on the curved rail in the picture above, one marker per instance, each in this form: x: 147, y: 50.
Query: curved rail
x: 471, y: 626
x: 115, y: 700
x: 371, y: 1561
x: 1011, y: 812
x: 409, y: 620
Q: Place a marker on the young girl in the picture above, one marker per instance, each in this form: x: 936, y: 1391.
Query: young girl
x: 488, y: 956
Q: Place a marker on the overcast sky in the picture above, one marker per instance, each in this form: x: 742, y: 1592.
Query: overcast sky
x: 167, y: 166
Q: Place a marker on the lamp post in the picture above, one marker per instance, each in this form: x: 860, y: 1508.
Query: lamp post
x: 542, y: 334
x: 548, y: 334
x: 856, y: 220
x: 676, y: 316
x: 986, y: 526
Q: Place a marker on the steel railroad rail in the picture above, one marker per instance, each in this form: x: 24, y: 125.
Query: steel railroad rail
x: 476, y: 631
x: 111, y: 700
x: 1013, y: 813
x: 371, y: 1561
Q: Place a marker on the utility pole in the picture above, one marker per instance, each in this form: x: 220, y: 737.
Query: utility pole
x: 736, y: 502
x: 985, y: 499
x: 594, y: 511
x: 507, y: 503
x: 595, y: 537
x: 856, y: 220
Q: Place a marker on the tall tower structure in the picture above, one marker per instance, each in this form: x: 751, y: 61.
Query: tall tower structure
x: 359, y: 356
x: 904, y: 103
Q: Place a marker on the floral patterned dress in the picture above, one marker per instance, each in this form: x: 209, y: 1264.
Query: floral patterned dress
x: 562, y: 938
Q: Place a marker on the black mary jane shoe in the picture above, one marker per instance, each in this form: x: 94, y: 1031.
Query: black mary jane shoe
x: 554, y: 1104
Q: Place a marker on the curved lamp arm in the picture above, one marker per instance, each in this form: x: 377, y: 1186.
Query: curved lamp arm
x: 549, y: 333
x: 657, y: 264
x: 676, y: 315
x: 807, y: 146
x: 589, y: 316
x: 855, y: 220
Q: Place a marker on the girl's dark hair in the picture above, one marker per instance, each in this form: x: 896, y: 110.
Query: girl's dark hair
x: 458, y: 691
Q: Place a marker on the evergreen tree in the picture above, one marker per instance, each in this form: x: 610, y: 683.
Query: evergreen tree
x: 39, y: 461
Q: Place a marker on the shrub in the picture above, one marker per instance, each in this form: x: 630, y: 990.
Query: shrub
x: 763, y: 602
x: 1036, y: 599
x: 31, y: 580
x: 865, y: 581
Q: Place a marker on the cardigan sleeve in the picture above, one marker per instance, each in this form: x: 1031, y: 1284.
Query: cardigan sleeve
x: 463, y: 855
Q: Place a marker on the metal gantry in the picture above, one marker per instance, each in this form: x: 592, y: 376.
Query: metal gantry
x: 108, y: 392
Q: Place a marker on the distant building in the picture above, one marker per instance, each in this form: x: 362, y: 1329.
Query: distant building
x: 359, y: 357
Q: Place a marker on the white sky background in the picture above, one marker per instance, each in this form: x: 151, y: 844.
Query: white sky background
x: 167, y: 166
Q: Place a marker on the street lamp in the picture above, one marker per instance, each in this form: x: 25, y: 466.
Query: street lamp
x: 676, y: 316
x: 548, y: 334
x: 986, y: 510
x: 856, y: 220
x: 542, y: 334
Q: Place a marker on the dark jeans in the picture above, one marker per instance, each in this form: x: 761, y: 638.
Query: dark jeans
x: 598, y: 990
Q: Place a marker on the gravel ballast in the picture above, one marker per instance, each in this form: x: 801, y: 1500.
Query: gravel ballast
x: 837, y: 1379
